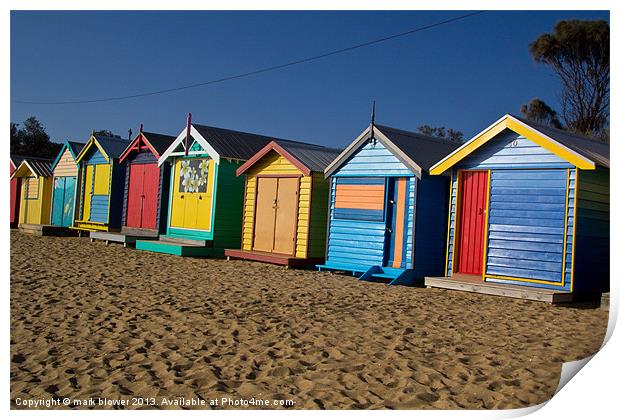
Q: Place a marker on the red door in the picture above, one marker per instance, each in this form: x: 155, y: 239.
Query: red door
x: 473, y: 192
x: 150, y: 190
x: 142, y: 196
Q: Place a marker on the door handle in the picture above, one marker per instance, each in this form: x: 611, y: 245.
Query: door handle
x: 388, y: 230
x: 200, y: 197
x: 182, y: 196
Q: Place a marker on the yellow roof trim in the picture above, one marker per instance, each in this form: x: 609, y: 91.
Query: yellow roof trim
x: 88, y: 145
x: 520, y: 128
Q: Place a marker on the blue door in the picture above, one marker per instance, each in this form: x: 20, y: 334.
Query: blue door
x: 64, y: 201
x: 396, y: 238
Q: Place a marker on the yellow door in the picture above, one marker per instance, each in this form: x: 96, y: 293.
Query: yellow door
x: 192, y: 194
x: 286, y: 216
x: 88, y: 191
x: 265, y: 219
x: 102, y: 179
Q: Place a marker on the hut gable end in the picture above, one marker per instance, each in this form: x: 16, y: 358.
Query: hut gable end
x: 373, y: 158
x: 511, y: 150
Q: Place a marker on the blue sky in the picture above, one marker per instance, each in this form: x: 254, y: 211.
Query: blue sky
x: 462, y: 75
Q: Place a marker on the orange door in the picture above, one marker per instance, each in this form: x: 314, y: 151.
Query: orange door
x: 286, y: 216
x: 265, y: 218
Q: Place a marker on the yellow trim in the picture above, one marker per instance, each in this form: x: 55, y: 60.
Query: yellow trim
x: 449, y: 217
x: 486, y: 226
x: 493, y: 276
x: 519, y: 128
x: 88, y: 146
x: 468, y: 148
x: 572, y: 251
x: 565, y: 226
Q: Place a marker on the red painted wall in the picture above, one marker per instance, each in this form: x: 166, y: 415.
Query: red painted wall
x: 142, y: 196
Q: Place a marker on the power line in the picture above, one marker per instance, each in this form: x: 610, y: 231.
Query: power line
x: 258, y: 71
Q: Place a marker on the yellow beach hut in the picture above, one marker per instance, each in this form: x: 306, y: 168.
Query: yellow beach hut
x: 36, y: 193
x: 285, y: 208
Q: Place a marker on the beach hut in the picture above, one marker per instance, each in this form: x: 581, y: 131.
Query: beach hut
x: 145, y: 199
x: 285, y: 206
x: 36, y: 192
x: 206, y: 196
x: 386, y: 218
x: 102, y: 181
x: 529, y: 213
x: 15, y: 190
x: 65, y: 175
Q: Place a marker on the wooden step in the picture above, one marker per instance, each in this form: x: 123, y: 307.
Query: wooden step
x: 45, y: 230
x: 499, y: 289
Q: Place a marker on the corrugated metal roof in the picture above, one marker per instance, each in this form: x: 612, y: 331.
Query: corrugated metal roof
x: 114, y: 147
x: 160, y: 142
x: 422, y: 149
x: 36, y: 166
x: 593, y: 149
x: 236, y: 144
x: 314, y: 157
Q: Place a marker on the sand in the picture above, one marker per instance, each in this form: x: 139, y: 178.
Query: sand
x: 96, y: 321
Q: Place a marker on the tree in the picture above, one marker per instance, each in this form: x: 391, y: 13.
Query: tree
x: 538, y: 110
x: 106, y: 133
x: 578, y: 52
x: 441, y: 132
x: 32, y: 140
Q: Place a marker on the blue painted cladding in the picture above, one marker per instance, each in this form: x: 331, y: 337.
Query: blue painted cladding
x: 94, y: 156
x: 451, y: 222
x: 99, y: 208
x: 525, y: 236
x: 592, y: 248
x: 354, y: 242
x: 510, y: 150
x: 431, y: 226
x: 359, y: 214
x: 373, y: 160
x: 361, y: 181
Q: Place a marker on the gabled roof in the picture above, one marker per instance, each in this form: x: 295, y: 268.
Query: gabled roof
x: 160, y: 142
x: 224, y: 143
x: 304, y: 156
x: 35, y: 166
x: 583, y: 152
x: 110, y: 147
x: 157, y: 143
x: 74, y: 148
x: 17, y: 159
x: 416, y: 151
x: 594, y: 149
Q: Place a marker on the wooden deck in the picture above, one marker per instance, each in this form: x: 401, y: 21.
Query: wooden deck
x: 268, y: 257
x: 499, y: 289
x: 123, y: 237
x: 45, y: 230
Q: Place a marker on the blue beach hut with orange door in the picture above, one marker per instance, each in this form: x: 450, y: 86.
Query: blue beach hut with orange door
x: 529, y: 213
x: 387, y: 215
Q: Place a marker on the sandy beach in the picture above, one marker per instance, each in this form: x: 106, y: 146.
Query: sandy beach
x: 90, y: 320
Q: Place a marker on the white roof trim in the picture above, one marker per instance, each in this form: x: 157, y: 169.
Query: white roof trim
x: 383, y: 139
x: 197, y: 137
x: 24, y: 162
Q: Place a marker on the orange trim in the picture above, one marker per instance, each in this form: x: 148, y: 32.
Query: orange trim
x: 357, y: 205
x: 400, y: 222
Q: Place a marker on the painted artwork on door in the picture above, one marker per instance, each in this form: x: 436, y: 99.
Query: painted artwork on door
x: 194, y: 175
x: 192, y: 197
